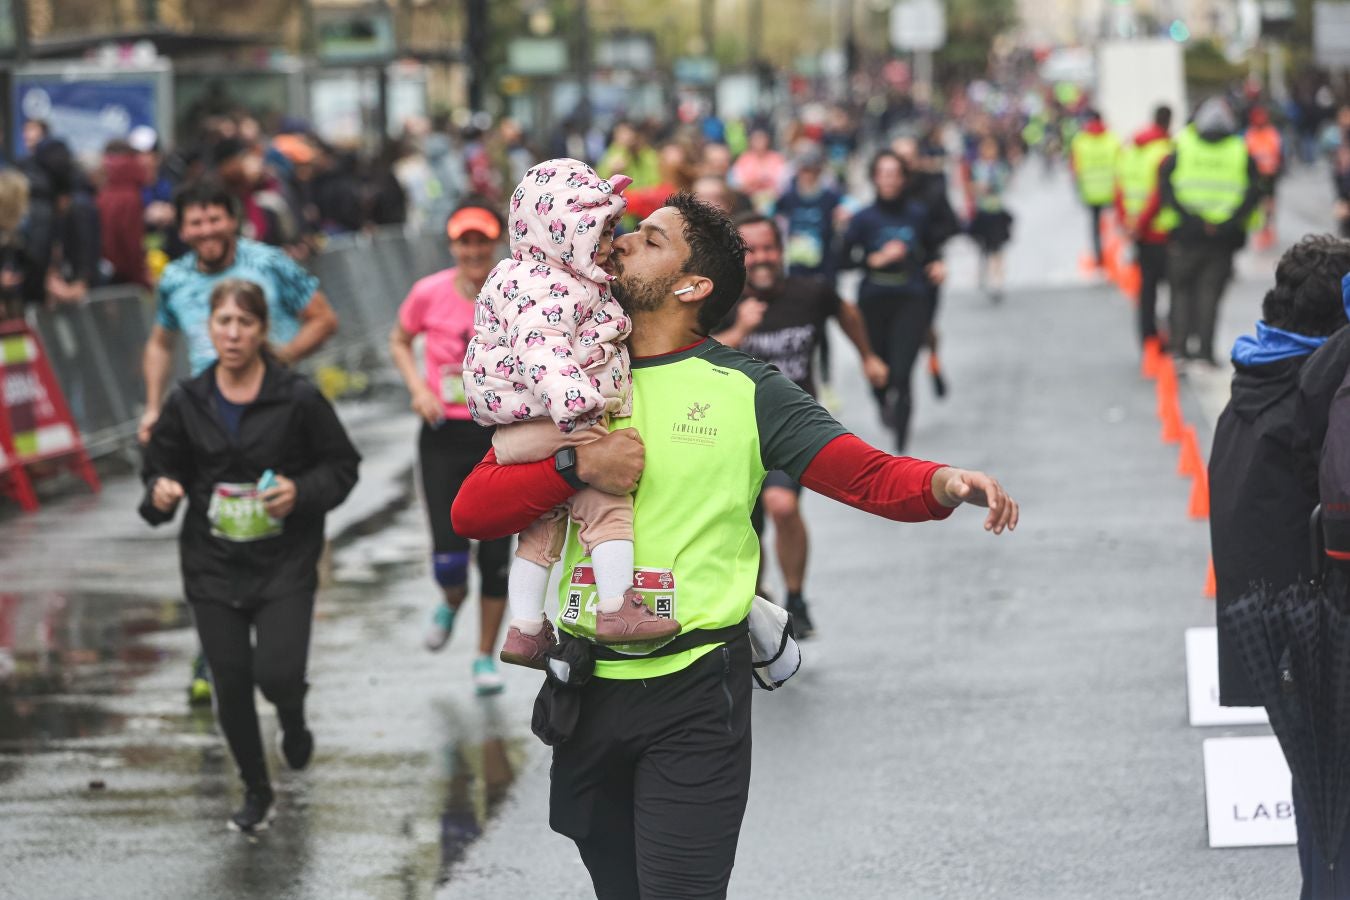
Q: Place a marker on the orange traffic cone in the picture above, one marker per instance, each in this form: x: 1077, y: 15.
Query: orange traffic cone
x: 1148, y: 364
x: 1211, y: 584
x: 1199, y: 508
x: 1167, y: 371
x: 1130, y: 279
x: 1169, y: 411
x: 1190, y: 462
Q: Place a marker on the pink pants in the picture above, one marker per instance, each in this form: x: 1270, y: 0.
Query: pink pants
x: 602, y: 517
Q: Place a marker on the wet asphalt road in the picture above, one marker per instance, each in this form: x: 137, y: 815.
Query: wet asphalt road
x: 978, y: 717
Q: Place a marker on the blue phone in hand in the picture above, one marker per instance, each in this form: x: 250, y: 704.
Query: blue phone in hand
x: 267, y: 481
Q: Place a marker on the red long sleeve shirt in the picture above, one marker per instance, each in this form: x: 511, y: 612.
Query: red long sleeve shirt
x: 498, y: 500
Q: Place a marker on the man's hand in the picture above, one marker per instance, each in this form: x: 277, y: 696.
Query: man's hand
x: 148, y: 420
x: 936, y: 271
x: 876, y: 371
x: 279, y: 501
x: 427, y: 405
x: 749, y: 313
x: 165, y: 494
x: 952, y: 487
x: 614, y: 463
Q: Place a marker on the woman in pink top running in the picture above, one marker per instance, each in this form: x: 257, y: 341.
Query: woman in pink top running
x: 440, y: 308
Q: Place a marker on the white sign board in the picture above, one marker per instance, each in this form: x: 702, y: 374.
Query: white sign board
x: 1134, y: 77
x: 1331, y: 34
x: 919, y: 25
x: 1202, y: 684
x: 1248, y: 798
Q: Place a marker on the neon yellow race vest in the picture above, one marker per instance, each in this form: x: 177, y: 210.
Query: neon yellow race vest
x: 1094, y: 163
x: 1138, y: 174
x: 1210, y: 179
x: 711, y: 419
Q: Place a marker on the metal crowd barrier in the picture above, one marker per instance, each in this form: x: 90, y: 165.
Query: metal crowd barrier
x: 95, y: 348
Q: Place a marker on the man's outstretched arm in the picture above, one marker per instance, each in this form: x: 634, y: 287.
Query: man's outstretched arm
x: 849, y: 470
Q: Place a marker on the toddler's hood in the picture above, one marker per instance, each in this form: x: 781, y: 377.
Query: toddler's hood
x: 558, y: 212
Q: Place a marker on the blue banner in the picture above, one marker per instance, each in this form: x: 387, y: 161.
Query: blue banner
x: 84, y: 114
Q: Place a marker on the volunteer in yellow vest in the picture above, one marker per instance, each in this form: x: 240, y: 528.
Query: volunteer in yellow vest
x: 1137, y: 205
x: 1267, y: 152
x: 1092, y: 154
x: 651, y: 760
x: 1209, y: 192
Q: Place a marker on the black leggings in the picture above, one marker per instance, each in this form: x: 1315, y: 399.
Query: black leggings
x: 446, y: 455
x: 897, y: 324
x: 1097, y: 256
x: 275, y: 663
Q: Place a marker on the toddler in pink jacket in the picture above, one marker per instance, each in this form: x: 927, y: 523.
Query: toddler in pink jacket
x: 548, y: 365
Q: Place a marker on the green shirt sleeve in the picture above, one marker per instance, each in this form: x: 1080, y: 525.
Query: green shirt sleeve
x: 793, y: 427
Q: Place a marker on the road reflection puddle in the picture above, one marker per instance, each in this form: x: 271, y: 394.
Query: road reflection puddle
x: 480, y: 763
x: 58, y: 649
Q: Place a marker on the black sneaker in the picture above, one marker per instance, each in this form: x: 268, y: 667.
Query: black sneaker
x: 801, y: 619
x: 297, y: 747
x: 256, y: 813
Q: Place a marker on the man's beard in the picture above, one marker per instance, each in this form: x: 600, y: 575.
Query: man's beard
x: 767, y: 285
x: 637, y: 295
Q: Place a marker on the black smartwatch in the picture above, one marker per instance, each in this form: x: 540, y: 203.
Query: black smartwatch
x: 565, y: 464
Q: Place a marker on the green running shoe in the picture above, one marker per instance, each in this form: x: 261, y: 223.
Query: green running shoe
x: 486, y: 679
x: 199, y: 691
x: 438, y: 632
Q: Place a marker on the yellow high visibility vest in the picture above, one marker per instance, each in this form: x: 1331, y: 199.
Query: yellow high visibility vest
x: 1094, y: 162
x: 1210, y: 178
x: 1137, y: 172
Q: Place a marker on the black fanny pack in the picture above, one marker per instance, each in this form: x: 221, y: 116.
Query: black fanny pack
x: 570, y: 665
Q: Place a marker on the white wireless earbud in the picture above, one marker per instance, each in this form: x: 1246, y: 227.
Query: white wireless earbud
x: 684, y: 290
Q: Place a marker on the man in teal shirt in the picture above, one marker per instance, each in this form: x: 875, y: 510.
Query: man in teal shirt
x: 301, y: 316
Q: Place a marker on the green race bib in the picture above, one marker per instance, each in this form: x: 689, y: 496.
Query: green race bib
x: 236, y: 513
x: 805, y: 250
x: 452, y: 386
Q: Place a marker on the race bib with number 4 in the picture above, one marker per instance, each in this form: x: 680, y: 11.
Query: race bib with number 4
x: 236, y: 513
x: 656, y: 587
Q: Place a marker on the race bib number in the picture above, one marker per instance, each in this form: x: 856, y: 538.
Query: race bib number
x: 805, y: 250
x: 656, y: 587
x: 236, y: 513
x: 452, y: 386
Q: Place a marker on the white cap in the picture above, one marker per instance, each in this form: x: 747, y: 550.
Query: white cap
x: 143, y: 139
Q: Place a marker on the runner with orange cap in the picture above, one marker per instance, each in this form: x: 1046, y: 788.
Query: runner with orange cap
x: 1267, y: 151
x: 440, y: 308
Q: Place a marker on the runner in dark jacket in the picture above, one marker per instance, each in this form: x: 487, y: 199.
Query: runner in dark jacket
x: 250, y: 551
x: 895, y: 243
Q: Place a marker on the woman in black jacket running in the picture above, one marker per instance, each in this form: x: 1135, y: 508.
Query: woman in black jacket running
x: 261, y: 458
x: 896, y: 243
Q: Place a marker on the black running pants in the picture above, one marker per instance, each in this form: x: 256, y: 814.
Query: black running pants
x: 897, y: 324
x: 1152, y: 260
x: 265, y: 647
x: 653, y: 783
x: 446, y: 454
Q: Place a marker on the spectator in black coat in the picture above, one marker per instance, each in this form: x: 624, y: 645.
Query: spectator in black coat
x: 1263, y: 467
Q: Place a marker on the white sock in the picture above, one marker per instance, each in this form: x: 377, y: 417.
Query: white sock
x: 613, y: 561
x: 525, y: 588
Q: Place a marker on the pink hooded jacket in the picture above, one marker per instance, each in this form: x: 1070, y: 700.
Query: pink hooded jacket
x: 548, y: 335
